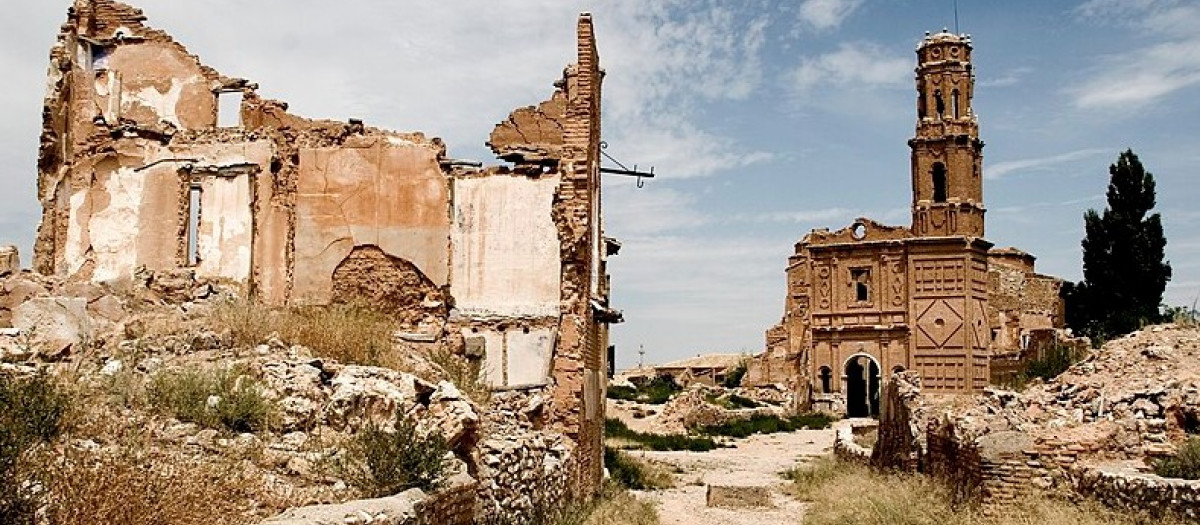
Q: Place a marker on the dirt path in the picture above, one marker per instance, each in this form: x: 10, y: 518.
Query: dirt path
x: 756, y: 462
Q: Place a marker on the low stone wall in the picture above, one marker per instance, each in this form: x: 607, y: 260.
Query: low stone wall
x: 451, y: 506
x: 844, y: 446
x: 1138, y: 491
x: 525, y: 469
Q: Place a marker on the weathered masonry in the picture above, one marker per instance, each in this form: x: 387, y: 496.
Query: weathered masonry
x: 152, y: 162
x: 869, y: 300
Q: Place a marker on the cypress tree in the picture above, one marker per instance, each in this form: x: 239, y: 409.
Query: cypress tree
x: 1124, y: 273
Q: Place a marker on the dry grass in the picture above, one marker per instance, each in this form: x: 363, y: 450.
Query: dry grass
x: 347, y: 333
x: 465, y: 375
x: 128, y: 490
x: 619, y: 508
x: 847, y: 494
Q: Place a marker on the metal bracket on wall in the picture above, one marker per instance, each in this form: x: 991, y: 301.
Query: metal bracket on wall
x: 625, y: 171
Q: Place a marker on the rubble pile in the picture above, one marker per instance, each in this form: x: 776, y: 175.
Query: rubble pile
x: 1138, y: 396
x: 692, y: 408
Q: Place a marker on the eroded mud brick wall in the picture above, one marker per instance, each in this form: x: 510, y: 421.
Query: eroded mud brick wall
x: 150, y: 159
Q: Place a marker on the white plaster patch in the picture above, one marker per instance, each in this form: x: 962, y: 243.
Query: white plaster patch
x: 516, y: 358
x: 224, y: 231
x: 77, y: 233
x: 113, y: 230
x: 505, y: 246
x: 163, y: 104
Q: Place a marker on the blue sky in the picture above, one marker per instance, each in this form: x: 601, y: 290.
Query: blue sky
x: 764, y: 119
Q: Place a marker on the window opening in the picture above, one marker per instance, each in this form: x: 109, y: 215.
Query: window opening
x: 954, y: 103
x: 941, y: 103
x: 94, y: 57
x: 229, y: 109
x: 826, y: 380
x: 939, y: 182
x: 193, y: 244
x: 861, y: 277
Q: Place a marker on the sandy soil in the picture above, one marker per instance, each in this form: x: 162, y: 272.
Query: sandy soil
x: 757, y: 461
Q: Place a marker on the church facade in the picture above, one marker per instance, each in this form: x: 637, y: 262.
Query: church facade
x: 869, y: 299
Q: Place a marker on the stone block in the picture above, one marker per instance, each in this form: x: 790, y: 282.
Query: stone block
x: 10, y: 260
x: 57, y: 325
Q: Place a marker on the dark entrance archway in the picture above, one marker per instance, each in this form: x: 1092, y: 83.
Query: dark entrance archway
x: 862, y: 387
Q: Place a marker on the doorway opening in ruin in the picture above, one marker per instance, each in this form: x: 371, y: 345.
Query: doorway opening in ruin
x: 939, y: 182
x: 826, y: 376
x: 862, y: 386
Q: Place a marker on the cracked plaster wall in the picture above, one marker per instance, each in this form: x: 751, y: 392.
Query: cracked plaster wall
x: 506, y: 258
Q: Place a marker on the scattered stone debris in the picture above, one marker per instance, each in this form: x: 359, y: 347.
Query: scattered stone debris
x: 1095, y: 429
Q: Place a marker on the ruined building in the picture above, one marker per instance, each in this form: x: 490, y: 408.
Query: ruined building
x: 933, y: 297
x: 152, y: 164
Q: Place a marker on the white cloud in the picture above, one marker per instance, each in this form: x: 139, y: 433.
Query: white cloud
x: 854, y: 66
x: 1143, y: 75
x: 1000, y: 169
x: 826, y: 14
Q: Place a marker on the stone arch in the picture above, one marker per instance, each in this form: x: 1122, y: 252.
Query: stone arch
x: 939, y: 182
x: 390, y: 284
x: 861, y: 385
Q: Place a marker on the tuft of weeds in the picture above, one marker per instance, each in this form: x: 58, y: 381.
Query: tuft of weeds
x: 766, y: 424
x: 809, y: 478
x: 615, y: 428
x: 348, y: 333
x: 631, y: 473
x: 1184, y: 465
x: 382, y: 461
x: 223, y: 399
x: 32, y: 412
x: 467, y: 377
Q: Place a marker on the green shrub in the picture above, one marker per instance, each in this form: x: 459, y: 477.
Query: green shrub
x: 615, y: 428
x: 383, y: 462
x: 239, y: 403
x: 622, y: 393
x: 32, y: 412
x: 657, y: 391
x: 732, y: 401
x: 733, y: 378
x: 766, y: 424
x: 633, y: 474
x: 1184, y: 465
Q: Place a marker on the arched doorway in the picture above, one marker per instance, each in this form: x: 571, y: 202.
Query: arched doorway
x: 862, y: 386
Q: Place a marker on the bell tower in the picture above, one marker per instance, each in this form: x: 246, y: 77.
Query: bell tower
x: 947, y: 155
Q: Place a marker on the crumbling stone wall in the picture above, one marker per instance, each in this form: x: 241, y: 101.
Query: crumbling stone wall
x: 1093, y: 430
x: 528, y: 469
x: 454, y: 505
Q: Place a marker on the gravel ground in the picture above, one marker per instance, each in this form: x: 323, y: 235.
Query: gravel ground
x: 757, y: 461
